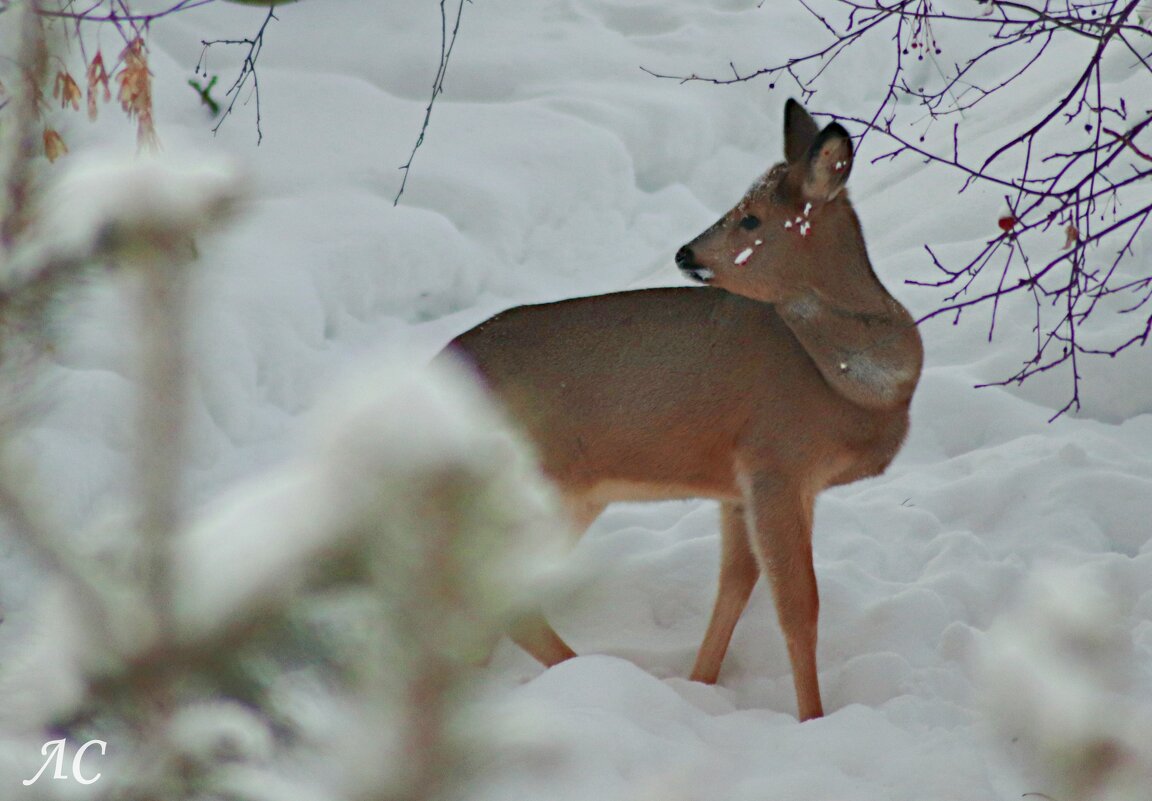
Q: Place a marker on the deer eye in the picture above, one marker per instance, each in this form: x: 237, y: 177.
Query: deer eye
x: 750, y: 222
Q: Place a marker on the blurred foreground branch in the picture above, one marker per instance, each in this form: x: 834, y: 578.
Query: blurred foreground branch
x: 1057, y: 678
x: 312, y: 638
x: 325, y: 616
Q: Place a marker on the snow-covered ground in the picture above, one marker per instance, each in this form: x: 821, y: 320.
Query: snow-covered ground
x: 555, y: 167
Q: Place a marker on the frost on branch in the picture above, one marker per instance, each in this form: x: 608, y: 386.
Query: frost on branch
x: 1058, y: 678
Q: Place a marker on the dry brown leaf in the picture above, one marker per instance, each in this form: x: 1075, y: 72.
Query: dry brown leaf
x: 66, y: 88
x: 97, y: 77
x: 135, y: 93
x: 1071, y: 236
x: 54, y: 146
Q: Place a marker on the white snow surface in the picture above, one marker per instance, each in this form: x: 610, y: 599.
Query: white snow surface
x: 554, y: 167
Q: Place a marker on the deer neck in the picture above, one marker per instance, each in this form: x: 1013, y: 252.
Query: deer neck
x: 863, y: 342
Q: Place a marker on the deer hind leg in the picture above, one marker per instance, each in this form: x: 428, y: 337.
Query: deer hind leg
x: 781, y: 519
x: 738, y: 575
x: 531, y: 631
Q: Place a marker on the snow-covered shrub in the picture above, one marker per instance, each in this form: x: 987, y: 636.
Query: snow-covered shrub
x: 314, y: 634
x: 1058, y: 673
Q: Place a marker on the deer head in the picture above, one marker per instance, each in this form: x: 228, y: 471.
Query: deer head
x: 794, y: 232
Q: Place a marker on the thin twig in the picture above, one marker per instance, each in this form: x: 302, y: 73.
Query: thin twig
x: 1090, y: 192
x: 247, y: 71
x: 447, y: 43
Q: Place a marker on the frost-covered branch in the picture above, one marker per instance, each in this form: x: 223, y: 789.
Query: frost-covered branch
x: 328, y: 614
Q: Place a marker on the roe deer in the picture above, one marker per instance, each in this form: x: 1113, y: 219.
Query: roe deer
x: 791, y: 372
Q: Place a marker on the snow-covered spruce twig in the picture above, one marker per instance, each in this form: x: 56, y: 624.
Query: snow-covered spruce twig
x: 387, y: 558
x: 361, y: 589
x: 395, y: 548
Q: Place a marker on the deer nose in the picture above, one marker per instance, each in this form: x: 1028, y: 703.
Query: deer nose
x: 685, y: 259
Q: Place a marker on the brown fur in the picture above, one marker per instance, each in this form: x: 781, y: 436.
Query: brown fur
x: 793, y: 372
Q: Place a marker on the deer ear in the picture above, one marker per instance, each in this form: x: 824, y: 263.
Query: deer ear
x: 799, y: 131
x: 829, y: 163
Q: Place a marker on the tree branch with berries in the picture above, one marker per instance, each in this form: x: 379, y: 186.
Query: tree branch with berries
x: 1072, y: 169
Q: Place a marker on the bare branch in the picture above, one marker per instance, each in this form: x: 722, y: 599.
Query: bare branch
x: 1090, y: 191
x: 96, y: 13
x: 447, y: 43
x: 247, y: 71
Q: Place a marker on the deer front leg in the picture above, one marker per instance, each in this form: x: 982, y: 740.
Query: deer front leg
x: 738, y: 575
x: 780, y: 518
